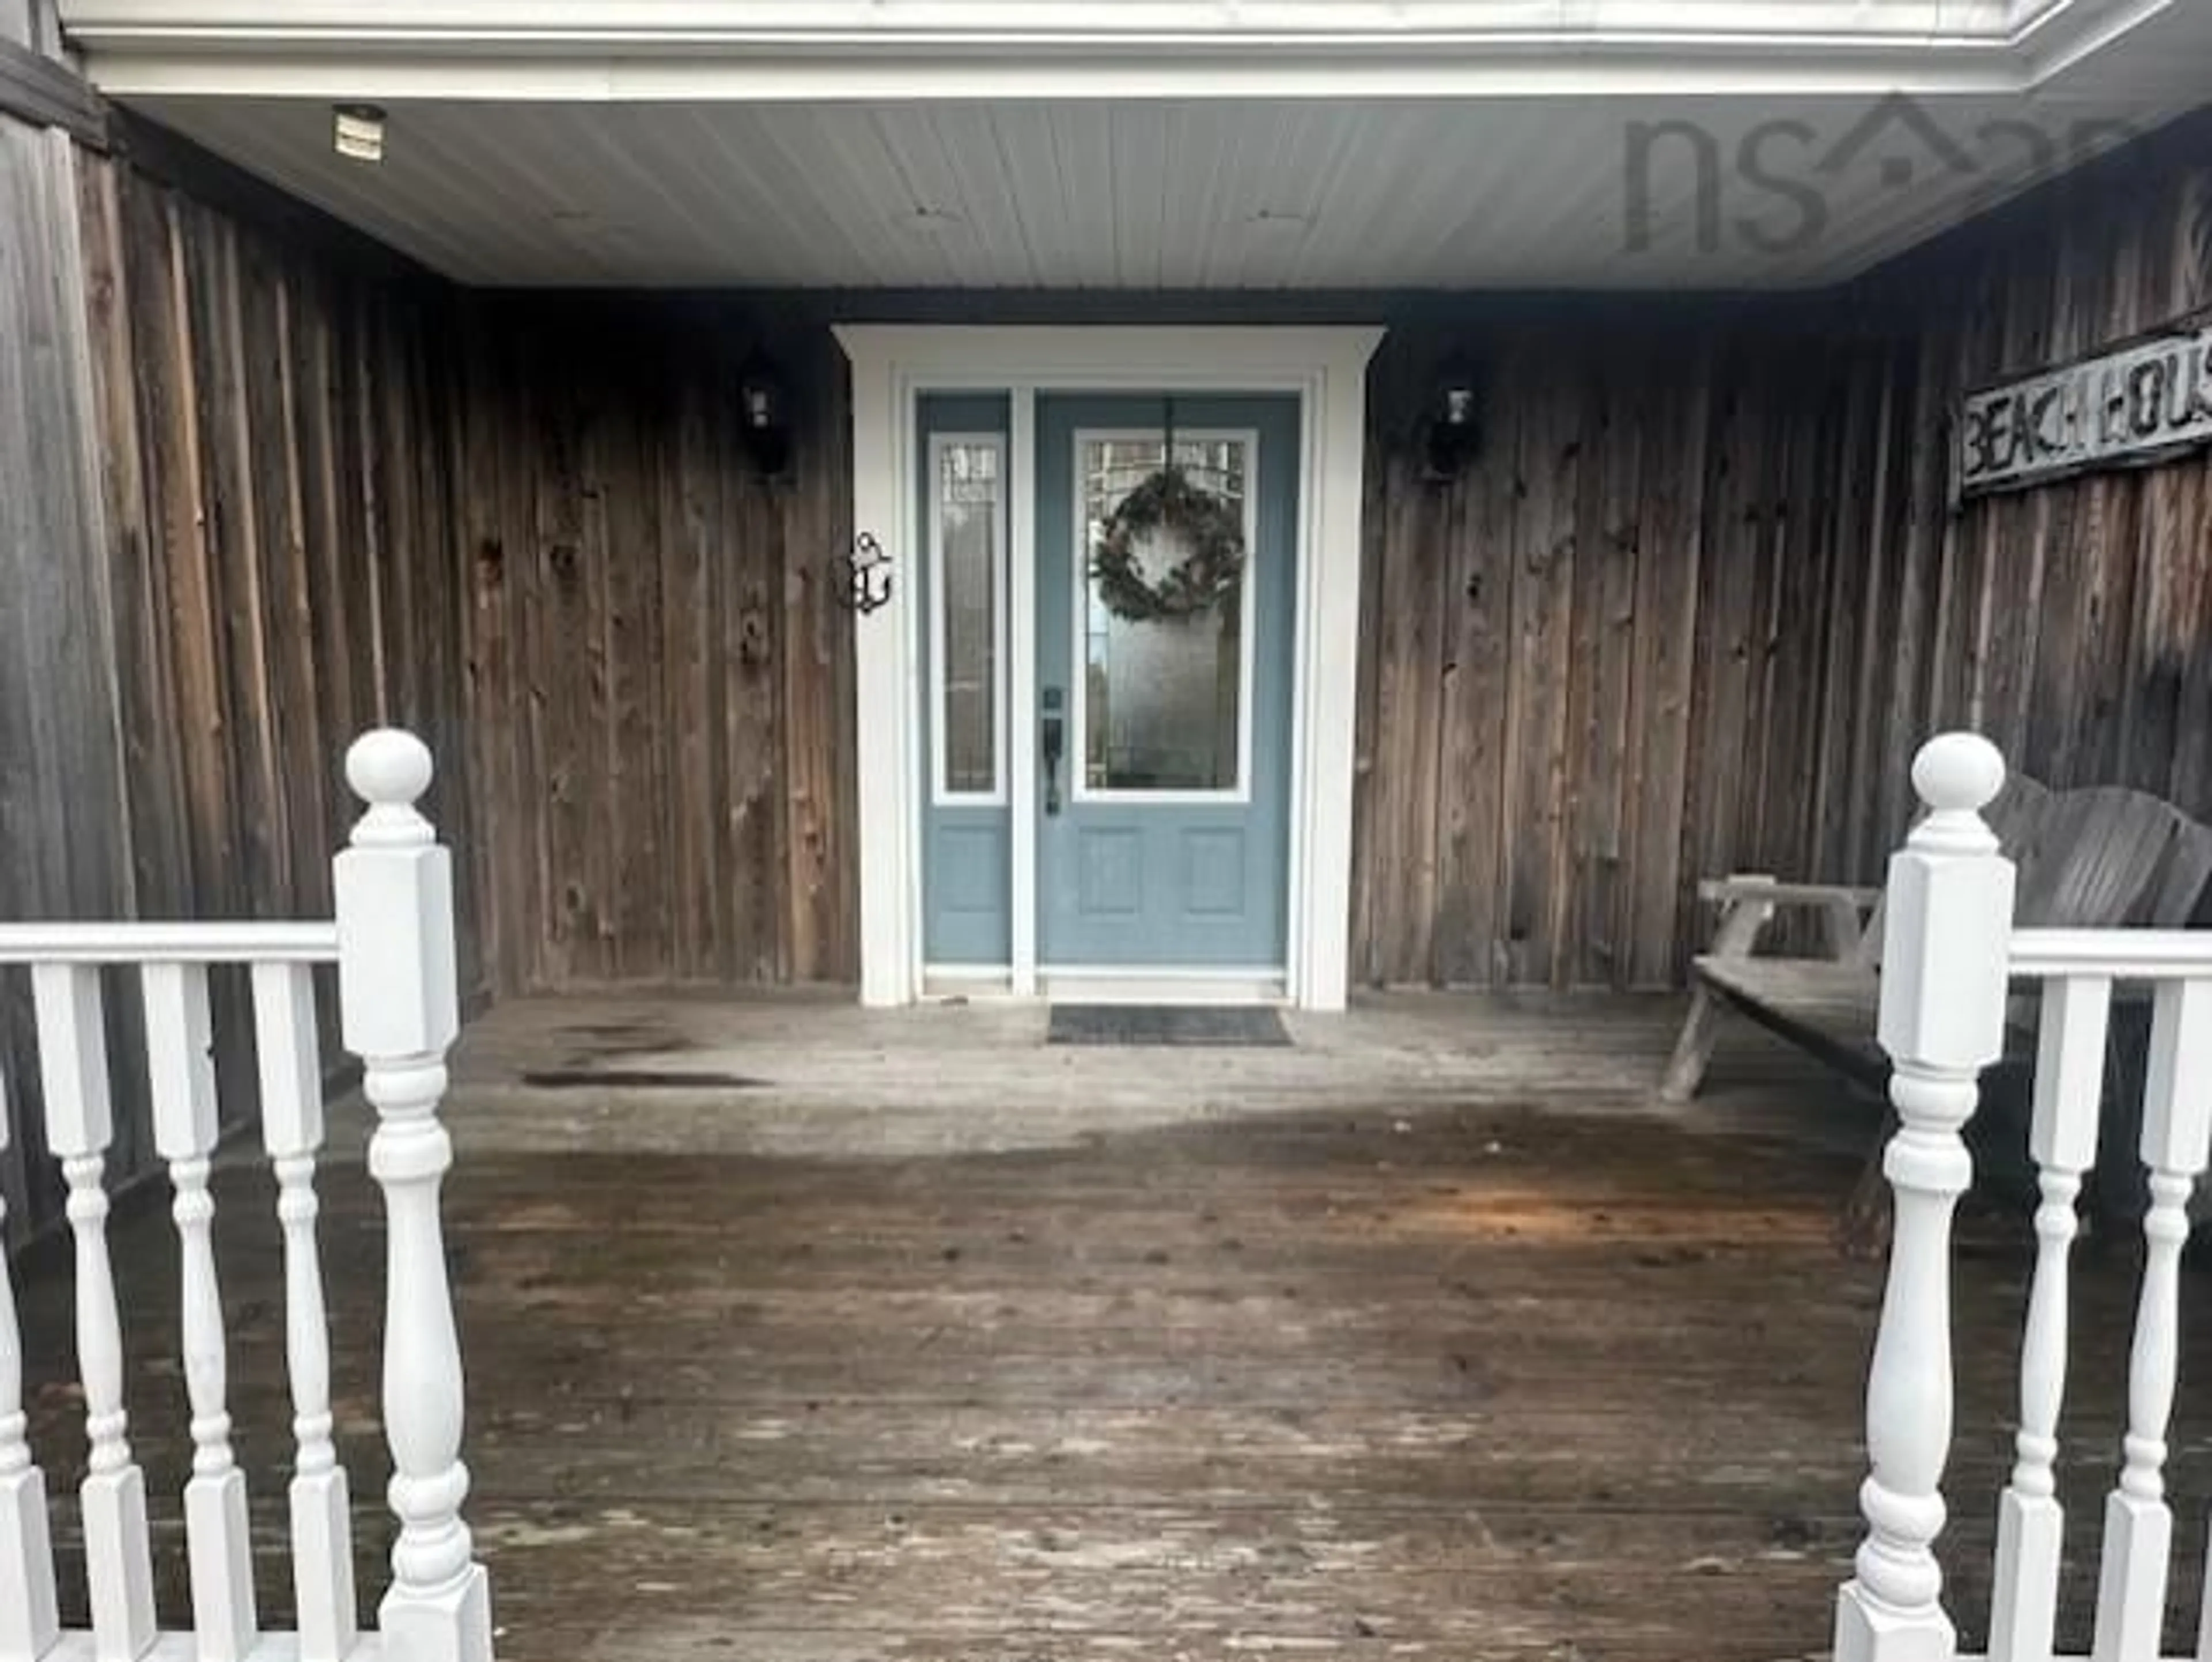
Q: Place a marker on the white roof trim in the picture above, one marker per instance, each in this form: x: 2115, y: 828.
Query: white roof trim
x: 816, y: 49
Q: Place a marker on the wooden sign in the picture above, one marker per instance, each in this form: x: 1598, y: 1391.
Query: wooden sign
x: 2129, y: 405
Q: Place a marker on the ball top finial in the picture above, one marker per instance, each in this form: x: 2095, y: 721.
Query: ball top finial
x: 1958, y: 773
x: 388, y: 767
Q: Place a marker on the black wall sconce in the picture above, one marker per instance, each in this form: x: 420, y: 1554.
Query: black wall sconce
x: 764, y: 416
x: 1454, y: 420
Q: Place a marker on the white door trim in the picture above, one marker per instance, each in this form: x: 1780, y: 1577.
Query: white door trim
x: 893, y: 364
x: 1021, y: 689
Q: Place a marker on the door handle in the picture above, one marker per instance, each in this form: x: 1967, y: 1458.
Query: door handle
x: 1052, y: 732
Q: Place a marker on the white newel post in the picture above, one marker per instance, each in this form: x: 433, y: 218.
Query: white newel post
x: 399, y: 1013
x: 28, y: 1622
x: 1943, y: 979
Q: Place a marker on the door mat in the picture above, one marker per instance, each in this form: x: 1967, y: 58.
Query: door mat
x: 1165, y: 1024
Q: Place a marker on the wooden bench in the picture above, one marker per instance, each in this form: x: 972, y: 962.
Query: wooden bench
x: 2097, y: 858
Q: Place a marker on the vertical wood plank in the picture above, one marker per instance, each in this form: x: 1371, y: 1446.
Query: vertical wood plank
x: 153, y: 808
x: 1477, y: 596
x: 565, y: 647
x: 1851, y: 570
x: 168, y: 358
x: 1411, y: 687
x: 1669, y: 566
x: 606, y: 484
x: 304, y: 740
x: 753, y: 695
x: 1545, y: 551
x: 233, y: 437
x: 690, y: 513
x: 817, y: 662
x: 638, y: 728
x: 1721, y: 652
x: 489, y: 692
x: 1596, y: 951
x: 315, y: 381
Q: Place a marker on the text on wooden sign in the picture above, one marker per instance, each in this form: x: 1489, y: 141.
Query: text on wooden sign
x: 2133, y: 405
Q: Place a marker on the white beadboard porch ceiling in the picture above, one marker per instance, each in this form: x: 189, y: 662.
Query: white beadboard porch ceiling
x: 1088, y: 195
x: 1153, y: 145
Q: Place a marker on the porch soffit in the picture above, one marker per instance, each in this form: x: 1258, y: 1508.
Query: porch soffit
x: 1152, y: 146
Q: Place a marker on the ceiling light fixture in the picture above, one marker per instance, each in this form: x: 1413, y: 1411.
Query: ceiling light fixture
x: 357, y: 131
x: 933, y: 221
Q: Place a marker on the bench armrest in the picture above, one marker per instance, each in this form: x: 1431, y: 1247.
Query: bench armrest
x: 1742, y: 888
x: 1748, y: 902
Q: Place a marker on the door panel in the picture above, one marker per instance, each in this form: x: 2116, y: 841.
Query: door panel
x: 1163, y: 840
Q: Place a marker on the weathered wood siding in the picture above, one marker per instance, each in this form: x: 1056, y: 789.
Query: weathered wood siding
x: 278, y: 459
x: 262, y: 563
x: 1622, y: 649
x: 661, y: 709
x: 61, y: 853
x: 1703, y: 591
x: 2072, y: 622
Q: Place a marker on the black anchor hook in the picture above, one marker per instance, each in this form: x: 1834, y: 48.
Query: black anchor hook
x: 867, y: 574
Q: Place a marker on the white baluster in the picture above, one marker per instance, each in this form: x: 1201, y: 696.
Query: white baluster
x: 292, y: 1131
x: 1942, y: 1020
x: 400, y: 1012
x: 180, y: 1069
x: 2069, y: 1076
x: 28, y: 1624
x: 2177, y: 1127
x: 73, y: 1066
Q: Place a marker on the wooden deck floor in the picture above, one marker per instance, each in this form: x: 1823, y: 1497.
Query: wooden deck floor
x: 1428, y: 1337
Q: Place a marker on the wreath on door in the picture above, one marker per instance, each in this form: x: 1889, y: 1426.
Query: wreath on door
x: 1171, y: 501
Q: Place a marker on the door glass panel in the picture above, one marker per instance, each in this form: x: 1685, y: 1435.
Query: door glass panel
x: 970, y: 548
x: 1164, y: 690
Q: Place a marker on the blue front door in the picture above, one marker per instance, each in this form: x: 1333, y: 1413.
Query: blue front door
x: 1163, y: 676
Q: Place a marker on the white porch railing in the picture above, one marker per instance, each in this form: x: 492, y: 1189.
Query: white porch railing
x: 1950, y: 953
x: 392, y: 942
